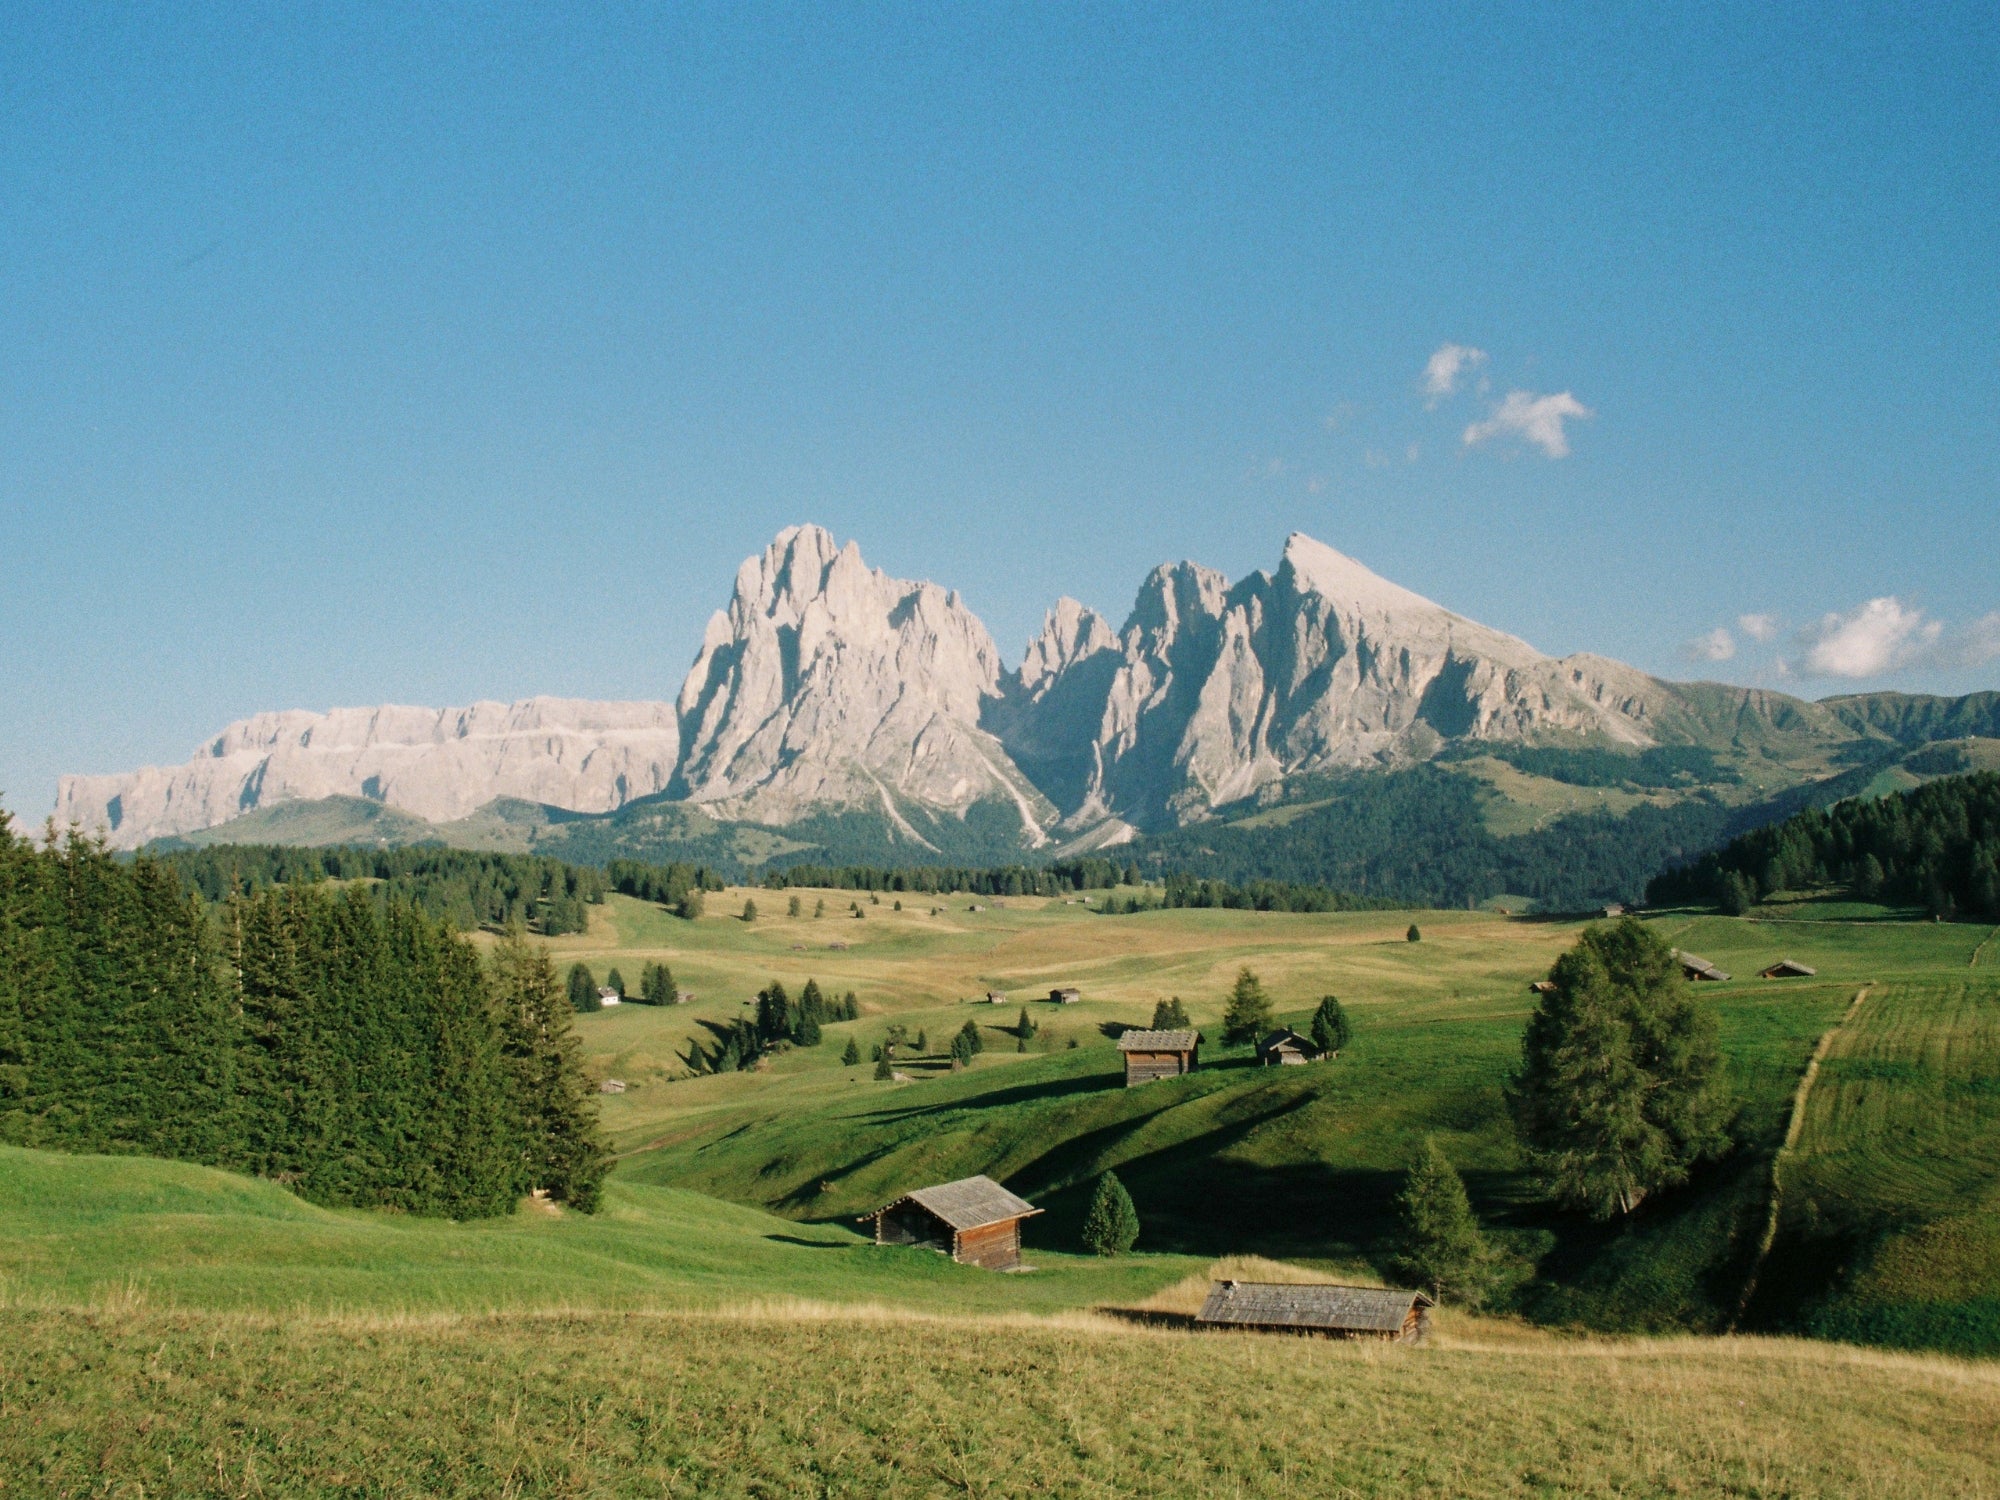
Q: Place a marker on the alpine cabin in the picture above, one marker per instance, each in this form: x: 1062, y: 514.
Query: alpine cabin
x: 1786, y: 968
x: 1065, y: 996
x: 1158, y: 1054
x: 1346, y: 1312
x: 1286, y: 1048
x: 1694, y: 966
x: 975, y: 1221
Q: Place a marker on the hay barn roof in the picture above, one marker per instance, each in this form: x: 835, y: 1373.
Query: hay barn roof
x: 1158, y: 1041
x: 1790, y: 968
x: 1284, y: 1036
x: 1698, y: 966
x: 1271, y: 1304
x: 967, y: 1203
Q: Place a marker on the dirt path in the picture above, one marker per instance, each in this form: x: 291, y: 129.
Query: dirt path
x: 1793, y: 1128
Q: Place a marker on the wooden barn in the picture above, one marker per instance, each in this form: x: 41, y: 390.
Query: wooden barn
x: 1542, y: 986
x: 1347, y: 1312
x: 1065, y: 996
x: 975, y: 1221
x: 996, y: 997
x: 1696, y: 967
x: 1158, y: 1054
x: 1285, y: 1047
x: 1787, y: 968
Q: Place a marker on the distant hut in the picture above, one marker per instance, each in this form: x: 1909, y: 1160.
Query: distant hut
x: 608, y: 996
x: 975, y: 1221
x: 1349, y: 1312
x: 996, y: 997
x: 1285, y: 1047
x: 1542, y: 986
x: 1065, y: 996
x: 1694, y: 966
x: 1613, y: 909
x: 1787, y: 968
x: 1158, y: 1054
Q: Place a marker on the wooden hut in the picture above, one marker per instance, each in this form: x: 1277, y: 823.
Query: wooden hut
x: 1158, y: 1054
x: 1065, y: 996
x: 1694, y: 966
x: 1348, y: 1312
x: 975, y: 1221
x: 1542, y: 986
x: 996, y: 997
x: 1787, y: 968
x: 1286, y: 1048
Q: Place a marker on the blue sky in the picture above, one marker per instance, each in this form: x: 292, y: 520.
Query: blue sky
x: 349, y: 356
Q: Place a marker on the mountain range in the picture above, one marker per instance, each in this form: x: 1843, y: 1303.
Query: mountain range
x: 831, y: 702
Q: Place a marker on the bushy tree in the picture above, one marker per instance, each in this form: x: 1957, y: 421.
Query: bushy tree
x: 583, y: 989
x: 689, y: 907
x: 1330, y: 1031
x: 657, y: 987
x: 970, y: 1031
x: 793, y: 907
x: 1248, y: 1014
x: 1111, y: 1227
x: 1413, y: 936
x: 1170, y: 1015
x: 1619, y: 1089
x: 1439, y: 1245
x: 750, y: 910
x: 884, y: 1072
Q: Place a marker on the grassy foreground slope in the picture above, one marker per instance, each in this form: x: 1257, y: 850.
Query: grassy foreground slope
x: 172, y: 1330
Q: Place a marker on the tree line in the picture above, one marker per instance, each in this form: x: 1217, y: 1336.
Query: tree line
x: 465, y: 888
x: 350, y: 1046
x: 1936, y: 846
x: 1062, y: 878
x: 780, y: 1021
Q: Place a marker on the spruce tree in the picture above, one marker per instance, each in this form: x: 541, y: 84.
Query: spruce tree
x: 883, y: 1070
x: 1170, y: 1015
x: 1024, y: 1026
x: 1619, y: 1089
x: 1439, y: 1245
x: 923, y: 1041
x: 1111, y: 1227
x: 1413, y: 936
x: 852, y: 1007
x: 558, y: 1148
x: 616, y: 982
x: 1248, y: 1014
x: 970, y: 1031
x: 852, y: 1056
x: 583, y: 989
x: 1329, y: 1027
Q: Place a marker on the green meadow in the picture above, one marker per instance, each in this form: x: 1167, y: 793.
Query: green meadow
x: 723, y: 1327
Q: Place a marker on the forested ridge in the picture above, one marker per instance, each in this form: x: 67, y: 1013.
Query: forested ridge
x: 1936, y: 846
x: 343, y: 1042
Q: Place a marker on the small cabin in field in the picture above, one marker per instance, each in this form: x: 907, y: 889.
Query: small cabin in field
x: 1542, y: 986
x: 996, y: 997
x: 608, y: 996
x: 1065, y: 996
x: 975, y: 1221
x: 1158, y: 1054
x: 1613, y: 909
x: 1694, y: 966
x: 1786, y: 968
x: 1347, y: 1312
x: 1285, y: 1047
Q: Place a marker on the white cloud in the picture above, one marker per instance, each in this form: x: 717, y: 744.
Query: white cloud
x: 1537, y: 419
x: 1976, y: 644
x: 1442, y: 370
x: 1881, y: 636
x: 1758, y: 627
x: 1717, y: 645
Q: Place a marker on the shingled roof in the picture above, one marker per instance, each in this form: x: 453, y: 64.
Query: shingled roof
x: 1345, y: 1309
x: 1696, y: 967
x: 1158, y: 1041
x: 967, y: 1203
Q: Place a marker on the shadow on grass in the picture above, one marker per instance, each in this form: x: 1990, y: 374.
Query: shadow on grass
x: 799, y: 1239
x: 1054, y: 1088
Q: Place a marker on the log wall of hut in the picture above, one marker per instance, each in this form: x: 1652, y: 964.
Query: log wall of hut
x: 912, y: 1225
x: 1145, y: 1067
x: 997, y: 1247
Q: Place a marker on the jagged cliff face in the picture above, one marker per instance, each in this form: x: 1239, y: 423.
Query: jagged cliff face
x: 1213, y: 691
x: 437, y: 763
x: 828, y: 684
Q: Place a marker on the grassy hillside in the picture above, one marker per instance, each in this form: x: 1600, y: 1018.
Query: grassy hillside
x: 1298, y: 1163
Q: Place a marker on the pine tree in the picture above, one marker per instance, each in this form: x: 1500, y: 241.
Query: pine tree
x: 1619, y: 1089
x: 583, y: 989
x: 616, y: 982
x: 970, y: 1031
x: 1170, y: 1015
x: 774, y: 1014
x: 1440, y: 1246
x: 923, y: 1041
x: 1329, y: 1027
x: 807, y: 1033
x: 961, y: 1050
x: 883, y: 1070
x: 1413, y: 936
x: 559, y: 1150
x: 1024, y: 1026
x: 1111, y: 1227
x: 852, y: 1007
x: 1248, y: 1014
x: 852, y: 1056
